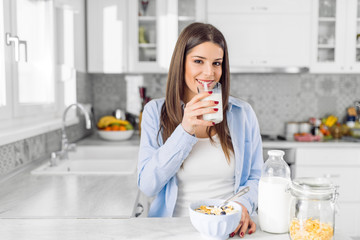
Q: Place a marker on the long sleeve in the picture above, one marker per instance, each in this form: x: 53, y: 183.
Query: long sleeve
x: 251, y: 157
x: 159, y: 162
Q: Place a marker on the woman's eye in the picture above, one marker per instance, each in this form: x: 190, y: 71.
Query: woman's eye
x: 198, y: 61
x: 217, y: 63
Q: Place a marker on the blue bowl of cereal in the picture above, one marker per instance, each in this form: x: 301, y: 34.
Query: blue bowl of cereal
x: 213, y: 222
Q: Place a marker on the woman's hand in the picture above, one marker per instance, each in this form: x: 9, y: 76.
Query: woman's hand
x: 194, y: 110
x: 245, y: 224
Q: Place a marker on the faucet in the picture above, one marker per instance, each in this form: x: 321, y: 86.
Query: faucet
x: 65, y: 146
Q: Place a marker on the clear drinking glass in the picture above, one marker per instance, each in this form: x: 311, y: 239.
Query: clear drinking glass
x: 215, y: 96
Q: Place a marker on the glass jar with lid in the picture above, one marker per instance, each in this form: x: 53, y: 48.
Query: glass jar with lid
x: 312, y: 209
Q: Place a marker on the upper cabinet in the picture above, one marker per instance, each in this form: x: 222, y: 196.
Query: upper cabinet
x: 107, y: 24
x: 136, y: 35
x: 268, y: 34
x: 154, y: 28
x: 336, y: 31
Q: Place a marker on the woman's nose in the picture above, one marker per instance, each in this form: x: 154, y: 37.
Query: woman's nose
x: 208, y: 69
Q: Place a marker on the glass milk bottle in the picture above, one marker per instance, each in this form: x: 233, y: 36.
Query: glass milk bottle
x: 274, y: 199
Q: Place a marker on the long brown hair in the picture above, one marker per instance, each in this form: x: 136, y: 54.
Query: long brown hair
x: 172, y: 111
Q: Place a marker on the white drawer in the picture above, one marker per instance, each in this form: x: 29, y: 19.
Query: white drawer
x: 346, y: 178
x: 327, y: 156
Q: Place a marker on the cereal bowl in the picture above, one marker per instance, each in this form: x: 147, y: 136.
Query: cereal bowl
x: 214, y: 227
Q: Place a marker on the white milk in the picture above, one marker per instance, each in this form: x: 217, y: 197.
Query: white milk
x: 218, y: 116
x: 274, y: 205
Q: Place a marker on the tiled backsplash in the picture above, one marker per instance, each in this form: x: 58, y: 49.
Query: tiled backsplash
x: 276, y: 99
x: 39, y: 147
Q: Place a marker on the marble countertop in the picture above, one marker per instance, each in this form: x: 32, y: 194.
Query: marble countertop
x: 295, y: 144
x: 68, y: 196
x: 106, y: 229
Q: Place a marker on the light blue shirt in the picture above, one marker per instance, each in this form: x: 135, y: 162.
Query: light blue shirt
x: 159, y: 162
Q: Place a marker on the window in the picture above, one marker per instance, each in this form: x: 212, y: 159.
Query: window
x: 31, y: 94
x: 4, y: 80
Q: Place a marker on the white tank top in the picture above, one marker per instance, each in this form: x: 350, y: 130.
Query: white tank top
x: 205, y: 174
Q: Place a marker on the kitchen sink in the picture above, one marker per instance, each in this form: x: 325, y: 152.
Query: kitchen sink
x: 94, y: 160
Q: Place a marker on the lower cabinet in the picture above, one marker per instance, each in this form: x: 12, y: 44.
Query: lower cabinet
x: 342, y: 167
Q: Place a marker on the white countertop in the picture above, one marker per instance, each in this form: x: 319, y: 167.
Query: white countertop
x: 295, y: 144
x: 68, y: 196
x: 94, y: 207
x: 106, y: 229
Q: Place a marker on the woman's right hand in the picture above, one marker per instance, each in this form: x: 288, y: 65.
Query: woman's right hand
x: 194, y: 110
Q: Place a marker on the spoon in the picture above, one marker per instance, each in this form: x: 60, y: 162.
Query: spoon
x: 240, y: 193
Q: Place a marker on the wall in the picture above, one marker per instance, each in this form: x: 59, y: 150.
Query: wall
x: 276, y: 98
x: 17, y: 154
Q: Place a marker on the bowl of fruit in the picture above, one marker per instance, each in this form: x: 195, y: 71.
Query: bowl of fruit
x: 113, y: 129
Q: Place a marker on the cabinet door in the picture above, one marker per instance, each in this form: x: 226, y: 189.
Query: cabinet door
x: 107, y: 36
x: 353, y: 40
x: 347, y: 219
x: 335, y: 48
x: 153, y: 32
x: 148, y: 44
x: 265, y: 40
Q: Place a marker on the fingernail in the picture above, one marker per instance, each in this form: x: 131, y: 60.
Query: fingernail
x: 250, y: 232
x: 232, y: 234
x: 210, y: 92
x: 216, y: 102
x: 213, y: 123
x: 241, y: 234
x: 216, y: 109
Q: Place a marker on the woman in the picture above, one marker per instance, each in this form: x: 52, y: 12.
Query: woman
x: 182, y: 157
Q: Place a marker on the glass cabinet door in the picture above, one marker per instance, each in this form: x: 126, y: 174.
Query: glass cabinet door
x: 326, y: 31
x: 357, y: 56
x: 147, y: 30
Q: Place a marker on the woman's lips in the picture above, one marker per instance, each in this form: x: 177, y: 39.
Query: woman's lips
x: 203, y: 82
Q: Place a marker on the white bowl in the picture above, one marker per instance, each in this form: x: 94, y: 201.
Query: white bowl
x: 214, y: 227
x: 116, y: 135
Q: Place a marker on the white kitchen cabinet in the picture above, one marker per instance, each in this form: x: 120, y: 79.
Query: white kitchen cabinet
x: 272, y: 33
x: 335, y: 43
x: 342, y: 166
x: 70, y: 36
x: 107, y: 30
x: 153, y: 32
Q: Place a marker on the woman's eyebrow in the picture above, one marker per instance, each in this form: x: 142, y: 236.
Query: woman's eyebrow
x: 205, y: 58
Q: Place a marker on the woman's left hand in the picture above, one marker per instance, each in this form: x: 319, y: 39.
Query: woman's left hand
x: 245, y: 223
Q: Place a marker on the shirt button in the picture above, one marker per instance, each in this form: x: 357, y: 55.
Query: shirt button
x: 238, y: 172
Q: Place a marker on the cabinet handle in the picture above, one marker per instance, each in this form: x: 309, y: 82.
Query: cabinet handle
x: 328, y: 175
x: 15, y: 40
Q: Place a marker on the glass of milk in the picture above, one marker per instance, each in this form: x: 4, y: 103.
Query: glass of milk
x: 215, y: 96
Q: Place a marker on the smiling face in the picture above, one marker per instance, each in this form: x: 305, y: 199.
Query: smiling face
x: 203, y: 65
